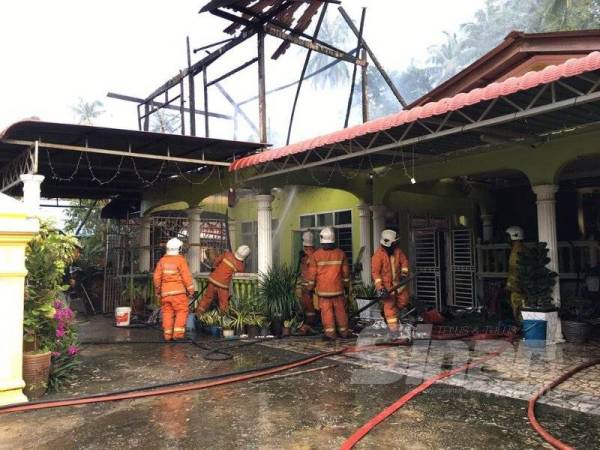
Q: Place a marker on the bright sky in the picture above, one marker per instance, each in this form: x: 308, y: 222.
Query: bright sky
x: 54, y: 52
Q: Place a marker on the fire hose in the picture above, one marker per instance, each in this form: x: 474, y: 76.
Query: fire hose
x: 533, y: 400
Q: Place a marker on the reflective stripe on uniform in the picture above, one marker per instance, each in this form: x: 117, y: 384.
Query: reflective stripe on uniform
x: 178, y: 329
x: 169, y: 272
x: 329, y: 294
x: 330, y: 263
x: 329, y: 330
x: 311, y: 314
x: 310, y: 283
x: 190, y: 287
x: 393, y: 264
x: 342, y: 329
x: 378, y: 280
x: 346, y: 280
x: 405, y: 270
x: 230, y: 264
x: 394, y: 320
x: 216, y: 283
x: 168, y: 331
x: 166, y: 294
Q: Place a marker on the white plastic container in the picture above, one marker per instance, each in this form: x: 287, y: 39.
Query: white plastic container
x: 122, y: 316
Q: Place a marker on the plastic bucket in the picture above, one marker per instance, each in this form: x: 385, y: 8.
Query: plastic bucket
x: 122, y: 316
x: 534, y: 330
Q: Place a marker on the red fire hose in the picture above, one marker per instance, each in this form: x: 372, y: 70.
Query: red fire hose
x: 383, y: 415
x: 531, y: 405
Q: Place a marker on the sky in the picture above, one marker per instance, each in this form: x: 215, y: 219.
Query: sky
x: 55, y: 52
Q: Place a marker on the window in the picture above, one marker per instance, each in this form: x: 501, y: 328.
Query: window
x: 249, y: 237
x: 341, y: 221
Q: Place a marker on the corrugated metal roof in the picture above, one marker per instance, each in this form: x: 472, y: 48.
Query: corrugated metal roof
x: 570, y: 68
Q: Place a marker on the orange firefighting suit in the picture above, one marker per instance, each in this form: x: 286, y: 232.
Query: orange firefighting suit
x: 328, y: 272
x: 307, y: 295
x: 173, y: 284
x: 226, y: 266
x: 386, y: 271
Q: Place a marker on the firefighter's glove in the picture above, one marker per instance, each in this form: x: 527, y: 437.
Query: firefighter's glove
x: 383, y: 293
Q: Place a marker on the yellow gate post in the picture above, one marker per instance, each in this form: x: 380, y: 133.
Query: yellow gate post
x: 16, y: 229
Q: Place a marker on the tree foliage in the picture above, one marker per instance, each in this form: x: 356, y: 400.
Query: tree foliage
x: 88, y: 112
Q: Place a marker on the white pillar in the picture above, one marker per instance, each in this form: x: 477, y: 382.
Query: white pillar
x: 32, y: 192
x: 546, y: 214
x: 16, y: 229
x: 378, y: 222
x: 265, y: 236
x: 194, y: 226
x: 364, y: 214
x: 232, y: 229
x: 144, y: 239
x: 487, y: 221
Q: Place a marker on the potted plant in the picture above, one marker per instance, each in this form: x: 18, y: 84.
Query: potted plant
x: 535, y: 283
x: 227, y: 325
x: 48, y: 255
x: 574, y: 314
x: 364, y: 294
x: 277, y: 288
x: 136, y: 295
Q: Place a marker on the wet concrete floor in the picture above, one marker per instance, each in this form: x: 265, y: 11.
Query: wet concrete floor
x: 315, y: 410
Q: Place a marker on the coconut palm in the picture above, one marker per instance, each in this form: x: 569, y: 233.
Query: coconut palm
x: 334, y: 32
x: 165, y: 122
x: 448, y: 58
x: 88, y: 112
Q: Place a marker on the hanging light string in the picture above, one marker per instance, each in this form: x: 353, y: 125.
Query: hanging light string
x: 98, y: 180
x: 55, y: 175
x: 144, y: 181
x: 190, y: 180
x: 319, y: 182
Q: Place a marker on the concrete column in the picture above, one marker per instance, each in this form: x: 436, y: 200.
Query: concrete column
x: 194, y: 226
x: 487, y: 221
x: 364, y: 214
x: 144, y: 242
x: 16, y: 229
x: 32, y: 192
x: 265, y: 236
x: 378, y: 222
x: 546, y: 214
x: 232, y: 228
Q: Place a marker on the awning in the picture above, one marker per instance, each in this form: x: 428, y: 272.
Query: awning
x: 556, y: 98
x: 80, y: 161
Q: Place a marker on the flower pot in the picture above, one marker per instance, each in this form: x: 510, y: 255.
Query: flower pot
x: 252, y: 331
x: 240, y: 331
x: 286, y: 331
x: 576, y: 332
x: 265, y: 331
x: 540, y: 324
x: 276, y: 326
x: 215, y: 331
x: 36, y: 370
x: 228, y: 334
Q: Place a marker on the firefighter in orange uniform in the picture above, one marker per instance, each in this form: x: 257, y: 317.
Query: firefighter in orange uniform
x: 225, y: 266
x: 329, y: 275
x: 308, y: 250
x: 389, y: 266
x: 173, y: 284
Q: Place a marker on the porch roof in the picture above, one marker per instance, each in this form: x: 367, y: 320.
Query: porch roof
x: 519, y: 108
x: 81, y: 161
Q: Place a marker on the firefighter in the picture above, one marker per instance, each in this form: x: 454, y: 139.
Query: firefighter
x: 516, y: 235
x: 225, y: 266
x: 328, y: 274
x: 308, y: 250
x: 389, y: 266
x: 173, y: 284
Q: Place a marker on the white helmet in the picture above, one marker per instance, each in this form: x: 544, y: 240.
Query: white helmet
x: 388, y: 237
x: 327, y: 236
x: 242, y: 252
x: 173, y: 246
x: 515, y: 233
x: 308, y: 239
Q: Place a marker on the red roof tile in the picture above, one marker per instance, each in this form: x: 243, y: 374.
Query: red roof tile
x: 527, y: 81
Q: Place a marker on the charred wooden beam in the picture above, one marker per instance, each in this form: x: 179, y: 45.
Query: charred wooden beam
x: 129, y: 98
x: 191, y: 91
x: 380, y: 68
x: 233, y: 72
x: 262, y: 98
x: 360, y: 39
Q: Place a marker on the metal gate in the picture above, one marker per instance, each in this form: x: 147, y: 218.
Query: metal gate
x: 462, y: 266
x: 426, y: 256
x: 164, y: 227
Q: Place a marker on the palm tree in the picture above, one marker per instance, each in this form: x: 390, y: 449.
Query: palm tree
x: 88, y: 111
x: 165, y: 122
x: 336, y: 33
x: 557, y: 12
x: 448, y: 58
